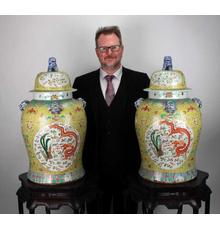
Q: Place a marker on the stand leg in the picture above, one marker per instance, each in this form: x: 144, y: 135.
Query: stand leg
x: 99, y: 203
x: 180, y: 209
x: 150, y: 211
x: 79, y: 210
x: 47, y: 210
x: 149, y: 208
x: 31, y: 211
x: 195, y: 211
x: 144, y: 210
x: 20, y: 206
x: 82, y: 209
x: 76, y: 211
x: 129, y: 204
x: 207, y: 205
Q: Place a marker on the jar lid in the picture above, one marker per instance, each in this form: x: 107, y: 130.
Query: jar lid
x: 52, y: 80
x: 167, y: 78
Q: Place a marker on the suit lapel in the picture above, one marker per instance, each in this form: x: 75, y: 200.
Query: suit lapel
x: 95, y: 93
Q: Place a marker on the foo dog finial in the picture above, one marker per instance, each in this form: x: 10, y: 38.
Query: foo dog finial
x: 52, y: 65
x: 167, y: 63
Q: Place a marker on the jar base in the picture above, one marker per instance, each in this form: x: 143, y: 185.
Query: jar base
x: 168, y: 177
x: 53, y: 179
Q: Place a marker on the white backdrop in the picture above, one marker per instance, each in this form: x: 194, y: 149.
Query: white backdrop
x: 26, y: 42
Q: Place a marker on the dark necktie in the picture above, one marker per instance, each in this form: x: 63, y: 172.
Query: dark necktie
x: 110, y: 92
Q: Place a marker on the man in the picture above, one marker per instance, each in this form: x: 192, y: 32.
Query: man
x: 111, y: 152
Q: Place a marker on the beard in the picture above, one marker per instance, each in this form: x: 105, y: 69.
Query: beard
x: 111, y: 65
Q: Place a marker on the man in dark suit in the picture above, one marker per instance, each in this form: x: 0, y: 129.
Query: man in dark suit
x: 111, y: 152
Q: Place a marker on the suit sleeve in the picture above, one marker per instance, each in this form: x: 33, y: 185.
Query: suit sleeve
x: 79, y: 93
x: 144, y: 83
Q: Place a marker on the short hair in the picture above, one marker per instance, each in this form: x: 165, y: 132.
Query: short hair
x: 108, y: 30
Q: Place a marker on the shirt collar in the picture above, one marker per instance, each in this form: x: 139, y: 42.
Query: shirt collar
x: 117, y: 74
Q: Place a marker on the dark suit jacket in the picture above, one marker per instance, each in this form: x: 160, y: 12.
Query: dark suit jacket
x: 111, y: 146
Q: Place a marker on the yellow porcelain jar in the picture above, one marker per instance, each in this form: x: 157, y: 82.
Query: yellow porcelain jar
x: 53, y: 127
x: 168, y: 126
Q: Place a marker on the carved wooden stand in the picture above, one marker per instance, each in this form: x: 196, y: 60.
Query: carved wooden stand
x: 74, y: 194
x: 173, y: 196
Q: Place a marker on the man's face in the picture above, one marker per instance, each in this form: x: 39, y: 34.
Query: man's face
x: 109, y: 57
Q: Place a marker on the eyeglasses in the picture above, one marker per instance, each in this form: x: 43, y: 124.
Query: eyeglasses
x: 104, y: 49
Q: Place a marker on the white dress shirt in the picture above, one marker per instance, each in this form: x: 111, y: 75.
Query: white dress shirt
x: 115, y: 81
